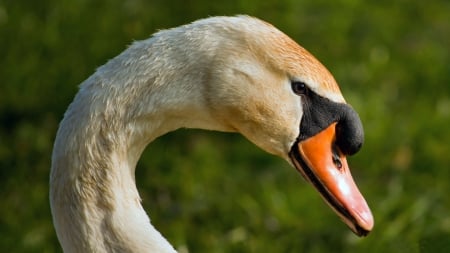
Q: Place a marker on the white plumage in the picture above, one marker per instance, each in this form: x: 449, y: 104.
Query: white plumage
x: 223, y: 73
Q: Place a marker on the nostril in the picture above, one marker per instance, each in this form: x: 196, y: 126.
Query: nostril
x: 336, y: 158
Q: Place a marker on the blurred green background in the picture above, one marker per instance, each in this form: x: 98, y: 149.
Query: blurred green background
x: 216, y: 192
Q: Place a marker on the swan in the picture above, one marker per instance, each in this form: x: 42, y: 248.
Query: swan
x: 232, y: 74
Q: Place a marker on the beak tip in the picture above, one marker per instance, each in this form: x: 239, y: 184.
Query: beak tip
x: 368, y: 221
x: 364, y: 224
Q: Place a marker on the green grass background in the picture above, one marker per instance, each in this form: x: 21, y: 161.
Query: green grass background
x: 216, y: 192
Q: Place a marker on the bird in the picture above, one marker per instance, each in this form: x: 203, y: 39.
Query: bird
x: 223, y: 73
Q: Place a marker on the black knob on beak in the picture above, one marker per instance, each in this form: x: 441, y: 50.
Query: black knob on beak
x: 349, y: 131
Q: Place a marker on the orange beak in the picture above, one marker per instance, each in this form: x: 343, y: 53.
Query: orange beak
x: 321, y: 162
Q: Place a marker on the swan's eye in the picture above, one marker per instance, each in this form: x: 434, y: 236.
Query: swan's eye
x: 299, y: 88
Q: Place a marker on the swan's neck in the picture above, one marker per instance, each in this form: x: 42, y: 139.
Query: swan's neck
x: 95, y: 204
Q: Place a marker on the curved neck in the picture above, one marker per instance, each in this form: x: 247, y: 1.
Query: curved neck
x: 95, y: 204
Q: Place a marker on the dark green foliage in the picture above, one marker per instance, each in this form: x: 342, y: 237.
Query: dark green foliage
x: 214, y: 192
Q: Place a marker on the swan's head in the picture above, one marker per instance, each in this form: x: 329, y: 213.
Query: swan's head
x: 285, y: 101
